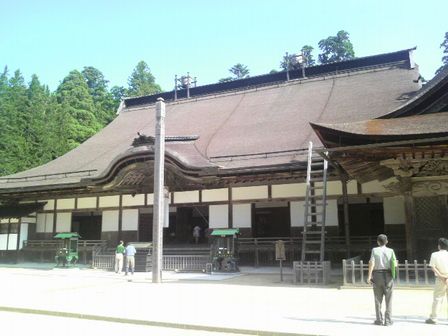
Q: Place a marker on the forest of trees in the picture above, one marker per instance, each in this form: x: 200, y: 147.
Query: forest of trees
x: 37, y: 125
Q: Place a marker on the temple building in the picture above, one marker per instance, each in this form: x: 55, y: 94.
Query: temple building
x: 236, y: 158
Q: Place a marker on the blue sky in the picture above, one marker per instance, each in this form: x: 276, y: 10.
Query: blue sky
x: 205, y: 37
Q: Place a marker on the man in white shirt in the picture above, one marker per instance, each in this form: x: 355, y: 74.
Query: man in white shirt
x: 439, y: 265
x: 381, y: 262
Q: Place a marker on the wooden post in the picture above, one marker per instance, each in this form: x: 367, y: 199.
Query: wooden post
x: 409, y: 225
x: 346, y: 217
x: 158, y: 209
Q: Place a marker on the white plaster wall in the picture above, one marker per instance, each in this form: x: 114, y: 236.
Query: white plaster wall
x: 334, y: 188
x: 288, y: 190
x: 44, y: 222
x: 129, y: 200
x: 109, y: 201
x: 28, y: 219
x: 13, y: 220
x: 3, y: 242
x: 23, y: 234
x: 247, y: 193
x: 332, y: 213
x: 372, y: 187
x: 86, y: 203
x: 49, y: 206
x: 186, y: 197
x: 12, y: 241
x: 215, y: 195
x: 130, y: 220
x: 297, y: 213
x: 109, y: 221
x: 242, y: 215
x: 218, y: 216
x: 394, y: 210
x: 65, y: 204
x: 4, y: 220
x: 352, y: 187
x: 150, y: 199
x: 63, y: 222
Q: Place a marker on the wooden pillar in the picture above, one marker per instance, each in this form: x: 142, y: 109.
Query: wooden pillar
x: 120, y: 217
x: 230, y: 225
x: 346, y: 217
x: 409, y: 225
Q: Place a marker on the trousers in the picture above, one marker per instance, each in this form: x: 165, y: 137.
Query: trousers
x: 383, y: 285
x: 130, y: 264
x: 118, y: 262
x: 440, y: 291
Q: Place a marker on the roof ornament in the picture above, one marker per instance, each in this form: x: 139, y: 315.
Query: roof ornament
x: 184, y: 82
x: 295, y: 61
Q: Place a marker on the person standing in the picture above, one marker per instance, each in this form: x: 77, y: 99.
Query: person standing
x: 381, y: 265
x: 196, y: 233
x: 119, y: 256
x: 439, y: 265
x: 130, y: 258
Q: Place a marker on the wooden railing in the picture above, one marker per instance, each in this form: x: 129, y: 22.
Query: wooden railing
x: 170, y: 262
x: 354, y: 272
x: 311, y: 272
x: 261, y: 251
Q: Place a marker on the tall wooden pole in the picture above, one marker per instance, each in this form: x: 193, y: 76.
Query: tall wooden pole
x: 346, y: 215
x: 158, y: 209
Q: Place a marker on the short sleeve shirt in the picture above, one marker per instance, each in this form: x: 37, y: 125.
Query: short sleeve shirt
x: 382, y: 257
x: 439, y: 260
x: 130, y: 251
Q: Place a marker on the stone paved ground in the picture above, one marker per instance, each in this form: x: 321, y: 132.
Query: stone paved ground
x: 246, y: 303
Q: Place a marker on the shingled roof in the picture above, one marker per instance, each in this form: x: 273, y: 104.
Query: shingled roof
x: 255, y: 128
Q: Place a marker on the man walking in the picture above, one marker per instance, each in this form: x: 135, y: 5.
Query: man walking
x: 439, y: 265
x: 130, y: 258
x: 381, y: 266
x: 119, y: 252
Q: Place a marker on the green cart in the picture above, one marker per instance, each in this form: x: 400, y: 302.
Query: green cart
x: 67, y: 254
x: 224, y: 250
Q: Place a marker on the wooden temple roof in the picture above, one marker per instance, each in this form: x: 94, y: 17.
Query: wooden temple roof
x: 250, y: 132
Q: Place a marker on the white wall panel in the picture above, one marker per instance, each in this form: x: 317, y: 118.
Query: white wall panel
x: 129, y: 200
x: 23, y: 234
x: 49, y: 206
x: 130, y: 220
x: 44, y: 222
x: 65, y: 204
x: 332, y: 213
x: 109, y: 221
x: 109, y: 201
x: 248, y: 193
x: 186, y: 197
x: 12, y: 241
x: 86, y: 203
x: 394, y: 210
x: 297, y: 213
x: 3, y: 242
x: 372, y: 187
x: 242, y: 215
x: 288, y: 190
x: 63, y: 222
x: 218, y: 216
x: 215, y: 195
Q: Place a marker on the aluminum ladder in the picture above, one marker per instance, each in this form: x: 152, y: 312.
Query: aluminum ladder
x: 313, y: 243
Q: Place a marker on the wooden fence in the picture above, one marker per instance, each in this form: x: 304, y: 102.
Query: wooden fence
x: 170, y: 262
x: 355, y: 272
x: 311, y: 272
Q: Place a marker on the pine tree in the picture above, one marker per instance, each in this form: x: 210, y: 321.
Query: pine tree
x: 78, y: 108
x: 142, y: 82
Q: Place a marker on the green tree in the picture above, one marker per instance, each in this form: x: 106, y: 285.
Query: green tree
x: 336, y: 48
x: 239, y: 71
x: 444, y: 46
x: 103, y: 99
x: 307, y: 52
x: 78, y: 107
x: 142, y: 82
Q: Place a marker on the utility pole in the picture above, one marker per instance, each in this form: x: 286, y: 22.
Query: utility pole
x: 158, y: 209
